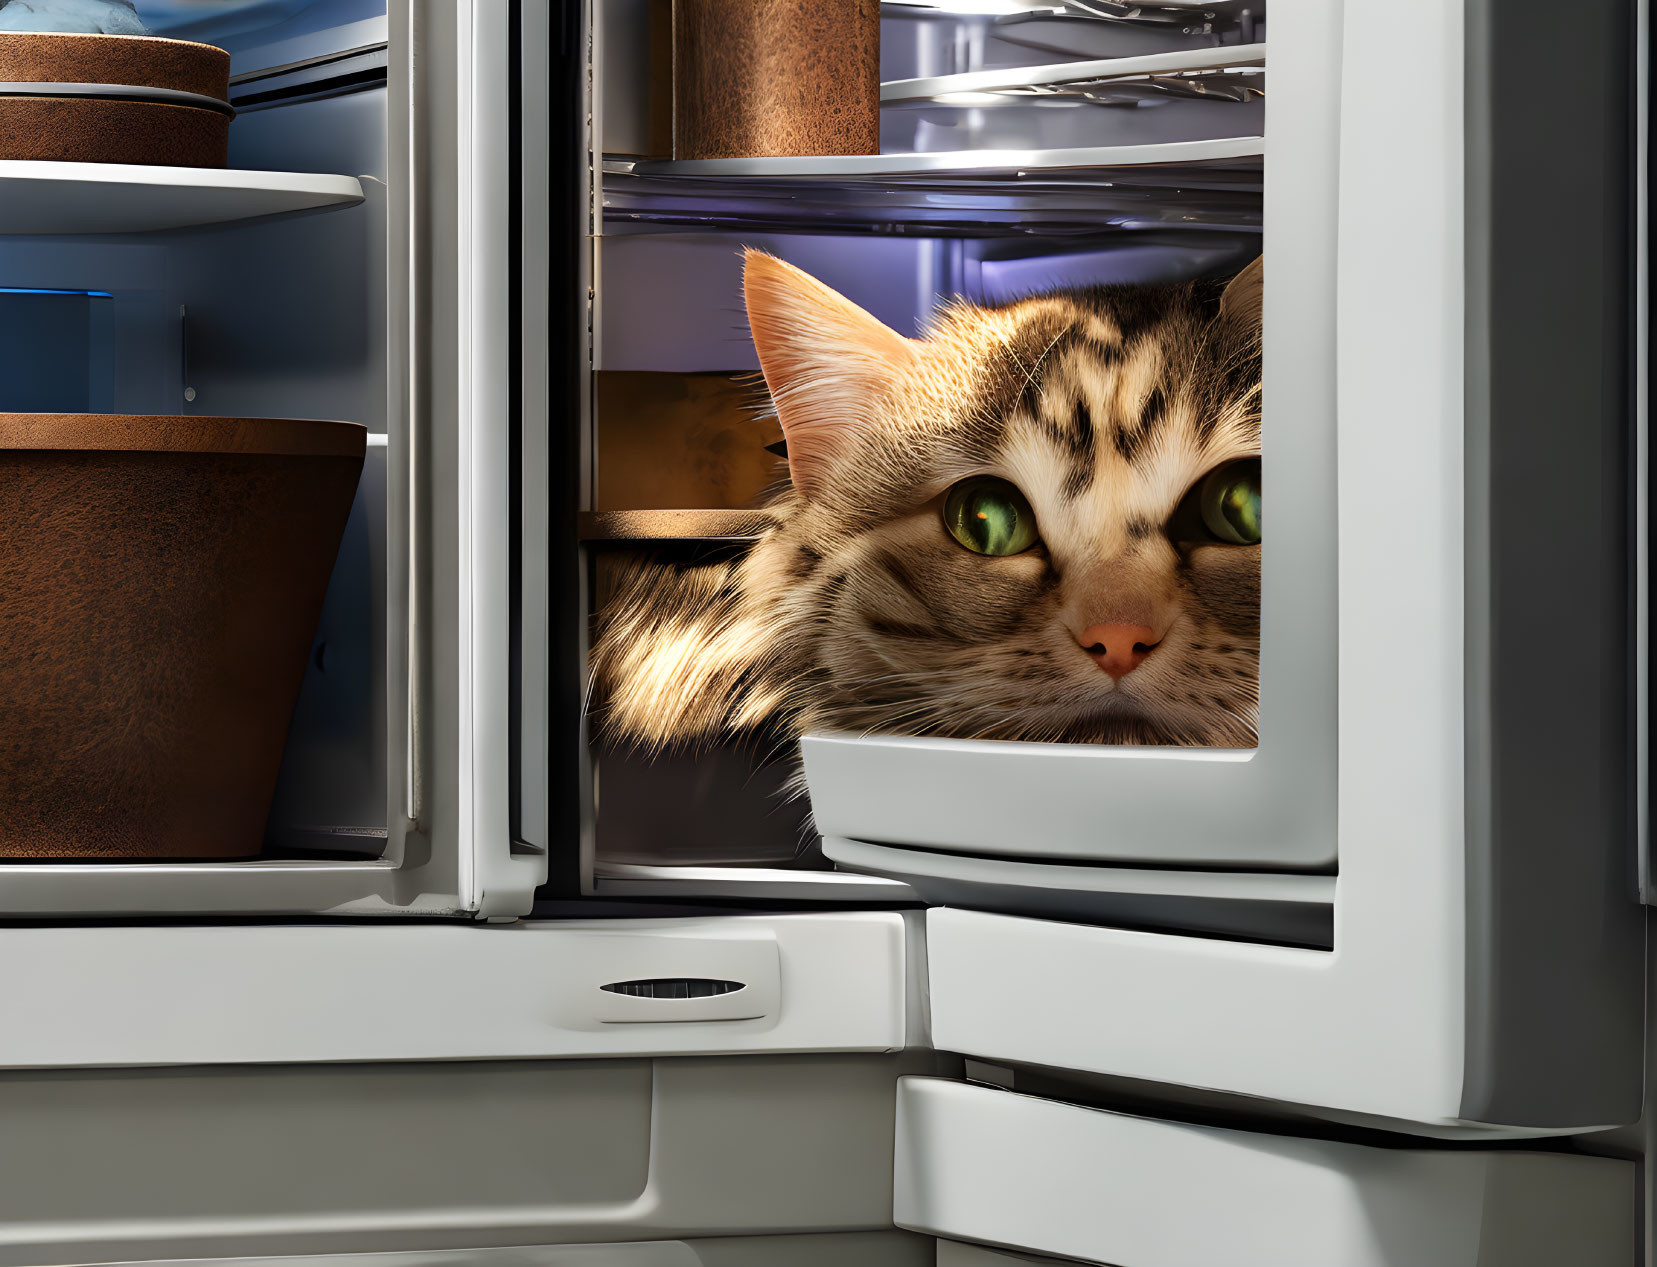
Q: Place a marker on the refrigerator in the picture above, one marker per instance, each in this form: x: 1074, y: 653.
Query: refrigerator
x: 1368, y: 993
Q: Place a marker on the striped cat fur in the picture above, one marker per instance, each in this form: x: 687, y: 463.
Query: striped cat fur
x: 860, y: 612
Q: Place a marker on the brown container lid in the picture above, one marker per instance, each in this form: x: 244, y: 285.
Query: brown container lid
x: 161, y: 433
x: 140, y: 60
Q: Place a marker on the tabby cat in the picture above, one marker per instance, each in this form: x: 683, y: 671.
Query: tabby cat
x: 1037, y: 522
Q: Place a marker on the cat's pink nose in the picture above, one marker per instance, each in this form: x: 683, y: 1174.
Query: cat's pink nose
x: 1118, y: 649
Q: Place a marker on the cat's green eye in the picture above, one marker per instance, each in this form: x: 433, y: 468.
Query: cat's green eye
x: 1223, y: 508
x: 1229, y: 501
x: 989, y: 516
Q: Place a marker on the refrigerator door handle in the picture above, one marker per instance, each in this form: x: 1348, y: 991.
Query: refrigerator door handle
x: 656, y: 978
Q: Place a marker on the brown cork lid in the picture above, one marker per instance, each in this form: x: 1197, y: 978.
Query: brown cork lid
x: 161, y: 433
x: 141, y: 60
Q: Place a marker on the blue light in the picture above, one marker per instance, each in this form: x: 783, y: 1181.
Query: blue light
x: 36, y: 290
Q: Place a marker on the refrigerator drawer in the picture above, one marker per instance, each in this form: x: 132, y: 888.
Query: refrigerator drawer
x: 985, y: 1165
x: 258, y: 994
x: 1403, y: 1024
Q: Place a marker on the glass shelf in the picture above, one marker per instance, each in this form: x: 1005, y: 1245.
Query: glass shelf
x: 977, y: 164
x: 1184, y: 96
x: 1185, y: 185
x: 1193, y: 66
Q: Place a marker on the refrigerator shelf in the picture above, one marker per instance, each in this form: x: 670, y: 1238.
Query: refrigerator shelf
x: 673, y: 525
x: 937, y: 196
x: 1007, y: 165
x: 1067, y: 77
x: 65, y: 198
x: 783, y: 884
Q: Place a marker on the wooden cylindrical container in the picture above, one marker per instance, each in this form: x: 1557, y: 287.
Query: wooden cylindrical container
x: 113, y: 99
x: 160, y: 583
x: 755, y: 78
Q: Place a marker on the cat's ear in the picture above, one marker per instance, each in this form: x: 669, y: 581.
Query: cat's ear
x: 824, y: 358
x: 1240, y: 302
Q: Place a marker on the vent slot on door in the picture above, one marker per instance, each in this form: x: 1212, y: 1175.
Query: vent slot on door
x: 674, y: 988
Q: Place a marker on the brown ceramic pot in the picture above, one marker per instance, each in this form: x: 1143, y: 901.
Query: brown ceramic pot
x: 755, y: 78
x: 160, y: 584
x: 98, y: 130
x: 140, y: 125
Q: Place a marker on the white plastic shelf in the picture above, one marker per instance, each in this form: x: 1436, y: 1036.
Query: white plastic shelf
x: 62, y: 198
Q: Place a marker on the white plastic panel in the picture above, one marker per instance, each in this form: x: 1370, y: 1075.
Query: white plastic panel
x: 233, y: 995
x: 108, y: 1166
x: 985, y: 1165
x: 1319, y: 1028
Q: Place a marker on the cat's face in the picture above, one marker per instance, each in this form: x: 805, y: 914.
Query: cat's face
x: 1040, y: 522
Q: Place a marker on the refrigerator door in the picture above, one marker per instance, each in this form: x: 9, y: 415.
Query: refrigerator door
x: 1461, y: 950
x: 1271, y: 807
x: 399, y: 308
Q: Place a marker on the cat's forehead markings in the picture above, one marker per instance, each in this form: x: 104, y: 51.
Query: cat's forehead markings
x: 1082, y: 405
x: 1137, y: 377
x: 1100, y: 329
x: 1093, y: 512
